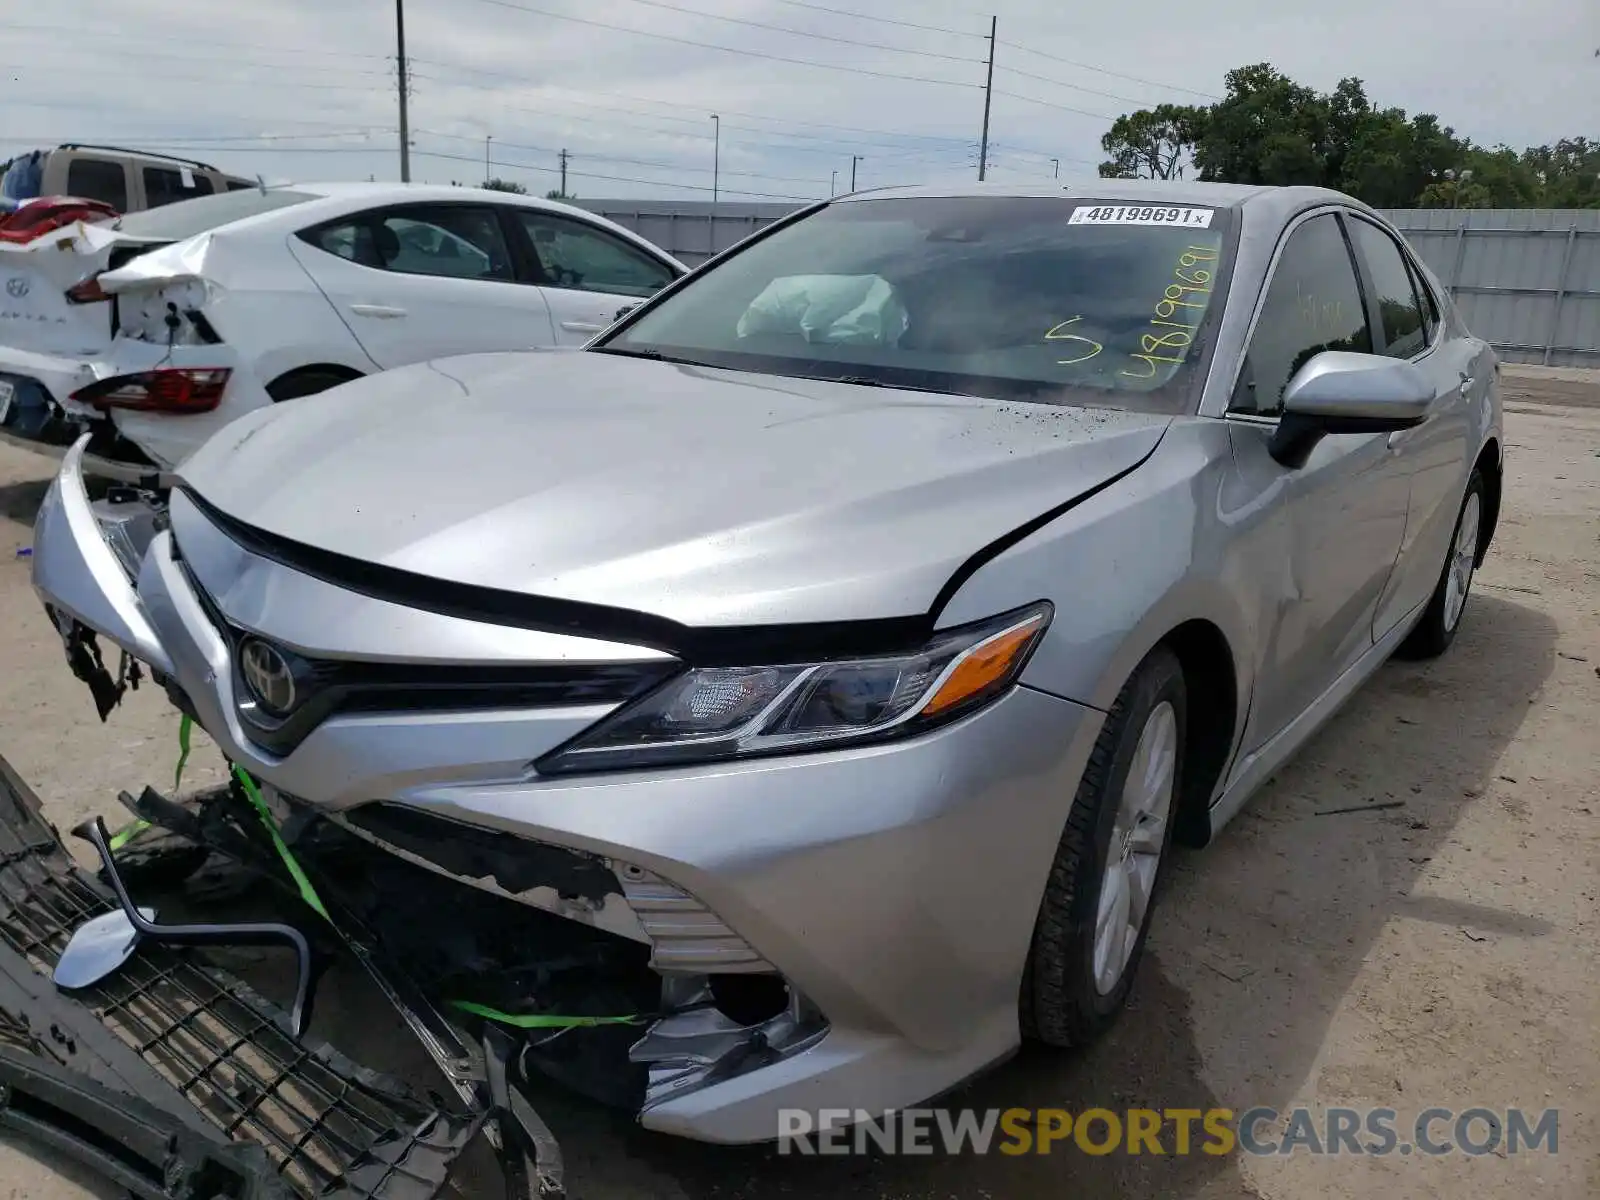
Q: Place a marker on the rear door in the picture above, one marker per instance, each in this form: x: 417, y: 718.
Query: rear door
x: 165, y: 184
x: 84, y: 174
x: 421, y: 281
x: 589, y: 275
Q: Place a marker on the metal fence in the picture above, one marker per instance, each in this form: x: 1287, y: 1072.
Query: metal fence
x: 1527, y: 280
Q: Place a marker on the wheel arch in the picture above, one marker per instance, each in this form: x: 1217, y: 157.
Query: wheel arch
x: 1491, y: 465
x: 339, y: 371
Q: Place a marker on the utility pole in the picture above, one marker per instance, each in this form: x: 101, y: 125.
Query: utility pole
x: 1057, y: 162
x: 833, y: 185
x: 487, y: 173
x: 854, y: 159
x: 716, y: 156
x: 404, y: 77
x: 564, y: 157
x: 988, y: 95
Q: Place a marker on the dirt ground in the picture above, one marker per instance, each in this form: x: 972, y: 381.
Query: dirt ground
x: 1439, y: 949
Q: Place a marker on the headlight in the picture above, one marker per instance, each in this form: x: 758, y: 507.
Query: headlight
x: 710, y: 713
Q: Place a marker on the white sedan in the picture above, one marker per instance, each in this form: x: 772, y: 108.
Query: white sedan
x: 157, y: 330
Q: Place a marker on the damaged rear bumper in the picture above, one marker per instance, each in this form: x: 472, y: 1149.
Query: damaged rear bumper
x: 176, y: 1081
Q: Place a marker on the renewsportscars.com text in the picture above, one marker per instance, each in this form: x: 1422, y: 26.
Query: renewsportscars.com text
x: 1172, y: 1131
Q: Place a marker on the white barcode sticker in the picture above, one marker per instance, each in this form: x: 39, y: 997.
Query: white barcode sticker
x: 1141, y: 214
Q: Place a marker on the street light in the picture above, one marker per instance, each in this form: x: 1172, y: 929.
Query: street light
x: 833, y: 185
x: 716, y: 156
x: 487, y: 173
x: 1057, y: 163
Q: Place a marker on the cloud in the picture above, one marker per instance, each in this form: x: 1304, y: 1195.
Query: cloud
x: 306, y: 88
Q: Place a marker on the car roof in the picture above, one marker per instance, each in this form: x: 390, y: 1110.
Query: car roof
x: 1282, y: 201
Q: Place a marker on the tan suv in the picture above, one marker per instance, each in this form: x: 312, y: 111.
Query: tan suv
x: 127, y: 180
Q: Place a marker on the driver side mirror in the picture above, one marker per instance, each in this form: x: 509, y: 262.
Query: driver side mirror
x: 1342, y: 392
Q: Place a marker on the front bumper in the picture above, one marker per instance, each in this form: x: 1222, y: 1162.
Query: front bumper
x: 893, y: 888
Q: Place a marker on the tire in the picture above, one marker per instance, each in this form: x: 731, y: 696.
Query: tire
x: 305, y: 383
x: 1442, y: 618
x: 1063, y: 1001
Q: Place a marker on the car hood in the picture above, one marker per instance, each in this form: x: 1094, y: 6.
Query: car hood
x: 707, y: 497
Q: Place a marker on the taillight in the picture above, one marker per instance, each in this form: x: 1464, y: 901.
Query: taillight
x: 87, y: 292
x: 165, y: 389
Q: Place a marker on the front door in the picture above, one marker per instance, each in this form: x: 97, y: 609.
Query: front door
x: 590, y: 276
x: 1339, y: 519
x: 425, y: 281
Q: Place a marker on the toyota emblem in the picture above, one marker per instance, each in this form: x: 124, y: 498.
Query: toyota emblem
x: 269, y: 677
x: 17, y: 287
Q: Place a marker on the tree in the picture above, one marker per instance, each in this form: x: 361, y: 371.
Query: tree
x: 1152, y: 143
x: 558, y: 194
x: 505, y: 185
x: 1270, y: 130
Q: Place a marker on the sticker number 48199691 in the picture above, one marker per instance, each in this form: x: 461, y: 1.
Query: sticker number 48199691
x: 1134, y: 214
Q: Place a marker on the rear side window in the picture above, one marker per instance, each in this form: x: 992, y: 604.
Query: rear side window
x: 1313, y: 304
x: 451, y: 241
x: 1403, y: 334
x: 97, y: 179
x: 166, y: 185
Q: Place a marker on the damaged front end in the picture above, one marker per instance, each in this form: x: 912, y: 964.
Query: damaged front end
x: 507, y: 958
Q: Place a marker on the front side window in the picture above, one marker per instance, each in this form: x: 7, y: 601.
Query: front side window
x: 97, y: 179
x: 1053, y: 299
x: 1313, y: 304
x: 1403, y: 334
x: 574, y: 255
x: 167, y: 185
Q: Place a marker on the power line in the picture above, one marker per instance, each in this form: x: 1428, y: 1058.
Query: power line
x: 861, y: 16
x: 1072, y: 86
x: 1171, y: 87
x: 666, y: 37
x: 78, y: 31
x: 825, y: 37
x: 888, y: 133
x: 613, y: 178
x: 638, y: 162
x: 1082, y: 112
x: 213, y: 80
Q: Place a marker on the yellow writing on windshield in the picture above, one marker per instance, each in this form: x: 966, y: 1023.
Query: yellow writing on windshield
x: 1177, y: 313
x: 1056, y: 335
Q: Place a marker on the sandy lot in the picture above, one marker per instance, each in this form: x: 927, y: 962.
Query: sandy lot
x: 1441, y: 951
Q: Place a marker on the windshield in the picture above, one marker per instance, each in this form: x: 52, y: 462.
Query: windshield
x: 187, y: 218
x: 1057, y: 299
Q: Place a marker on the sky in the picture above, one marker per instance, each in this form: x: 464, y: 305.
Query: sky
x: 805, y: 91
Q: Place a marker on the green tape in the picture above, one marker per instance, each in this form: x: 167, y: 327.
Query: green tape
x: 307, y: 892
x: 539, y: 1020
x: 185, y: 726
x: 127, y: 833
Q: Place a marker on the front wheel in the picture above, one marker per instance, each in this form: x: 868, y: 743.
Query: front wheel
x: 1096, y: 911
x: 1442, y: 618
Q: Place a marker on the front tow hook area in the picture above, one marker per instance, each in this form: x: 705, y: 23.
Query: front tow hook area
x: 174, y: 1079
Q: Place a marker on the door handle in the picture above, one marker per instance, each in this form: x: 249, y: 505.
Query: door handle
x: 377, y: 310
x: 582, y: 326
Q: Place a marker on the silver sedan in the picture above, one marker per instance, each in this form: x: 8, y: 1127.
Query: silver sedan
x: 854, y: 626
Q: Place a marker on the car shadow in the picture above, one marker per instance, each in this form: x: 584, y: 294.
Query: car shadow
x: 19, y: 502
